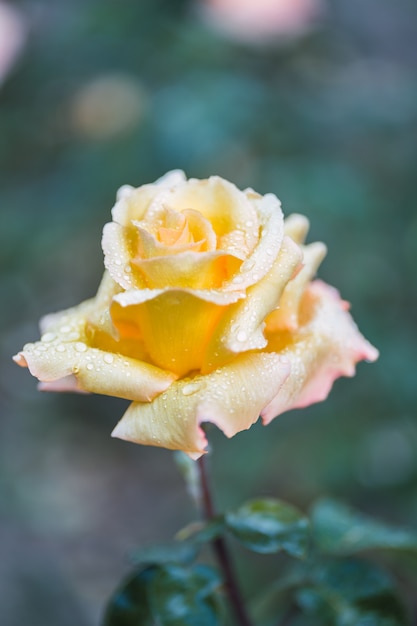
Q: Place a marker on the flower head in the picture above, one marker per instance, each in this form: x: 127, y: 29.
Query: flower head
x: 206, y: 312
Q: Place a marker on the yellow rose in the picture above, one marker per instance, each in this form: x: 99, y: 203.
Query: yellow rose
x: 206, y: 312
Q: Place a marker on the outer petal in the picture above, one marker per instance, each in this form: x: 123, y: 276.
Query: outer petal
x: 231, y: 397
x: 296, y: 226
x: 326, y: 346
x: 64, y: 352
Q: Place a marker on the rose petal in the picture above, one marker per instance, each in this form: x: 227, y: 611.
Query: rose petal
x: 231, y: 397
x: 296, y: 226
x: 204, y: 270
x: 176, y: 324
x: 286, y: 316
x: 132, y: 202
x: 241, y: 328
x: 64, y: 350
x: 326, y: 346
x: 221, y: 203
x: 120, y: 246
x: 269, y: 241
x: 95, y: 370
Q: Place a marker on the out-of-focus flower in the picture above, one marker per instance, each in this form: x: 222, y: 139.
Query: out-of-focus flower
x: 206, y: 312
x: 12, y: 37
x: 107, y: 106
x: 260, y: 20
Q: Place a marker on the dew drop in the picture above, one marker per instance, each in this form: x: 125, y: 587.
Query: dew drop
x: 191, y: 388
x: 60, y: 348
x: 90, y: 366
x: 48, y: 337
x: 248, y: 266
x: 80, y: 346
x: 242, y: 336
x: 108, y: 358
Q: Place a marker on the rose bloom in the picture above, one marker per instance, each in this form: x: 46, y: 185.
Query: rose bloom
x: 261, y: 20
x: 206, y: 313
x: 12, y: 37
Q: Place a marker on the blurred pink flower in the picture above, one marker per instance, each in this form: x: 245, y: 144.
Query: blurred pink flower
x: 12, y: 37
x: 259, y: 20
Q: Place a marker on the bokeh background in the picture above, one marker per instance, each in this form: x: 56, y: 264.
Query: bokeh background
x: 314, y: 101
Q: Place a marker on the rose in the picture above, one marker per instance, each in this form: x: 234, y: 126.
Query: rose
x: 262, y: 20
x: 206, y: 312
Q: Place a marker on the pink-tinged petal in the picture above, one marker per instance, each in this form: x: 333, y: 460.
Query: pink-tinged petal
x: 242, y: 326
x: 327, y: 345
x: 285, y: 317
x: 231, y: 398
x: 66, y: 384
x: 95, y: 370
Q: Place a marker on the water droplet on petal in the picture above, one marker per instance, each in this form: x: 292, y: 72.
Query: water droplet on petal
x: 80, y: 346
x: 60, y: 348
x: 191, y: 388
x: 48, y: 337
x: 108, y: 358
x: 242, y: 336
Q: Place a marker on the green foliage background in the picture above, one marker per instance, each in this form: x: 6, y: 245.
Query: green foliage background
x: 328, y: 122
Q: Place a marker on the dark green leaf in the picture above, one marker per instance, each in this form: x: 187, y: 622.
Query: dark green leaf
x: 338, y: 529
x: 185, y: 597
x: 270, y: 525
x: 129, y: 606
x: 352, y: 593
x: 180, y: 552
x: 166, y: 595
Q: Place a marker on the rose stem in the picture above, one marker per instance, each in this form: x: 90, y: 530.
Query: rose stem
x: 220, y: 549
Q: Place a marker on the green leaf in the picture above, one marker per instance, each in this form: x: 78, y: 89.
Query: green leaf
x: 338, y: 529
x: 129, y: 606
x: 349, y: 592
x: 180, y: 552
x: 185, y: 597
x: 166, y: 595
x: 270, y: 525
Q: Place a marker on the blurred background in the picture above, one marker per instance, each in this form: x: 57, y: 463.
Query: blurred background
x: 314, y: 100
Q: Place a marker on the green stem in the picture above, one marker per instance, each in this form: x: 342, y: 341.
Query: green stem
x: 221, y: 552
